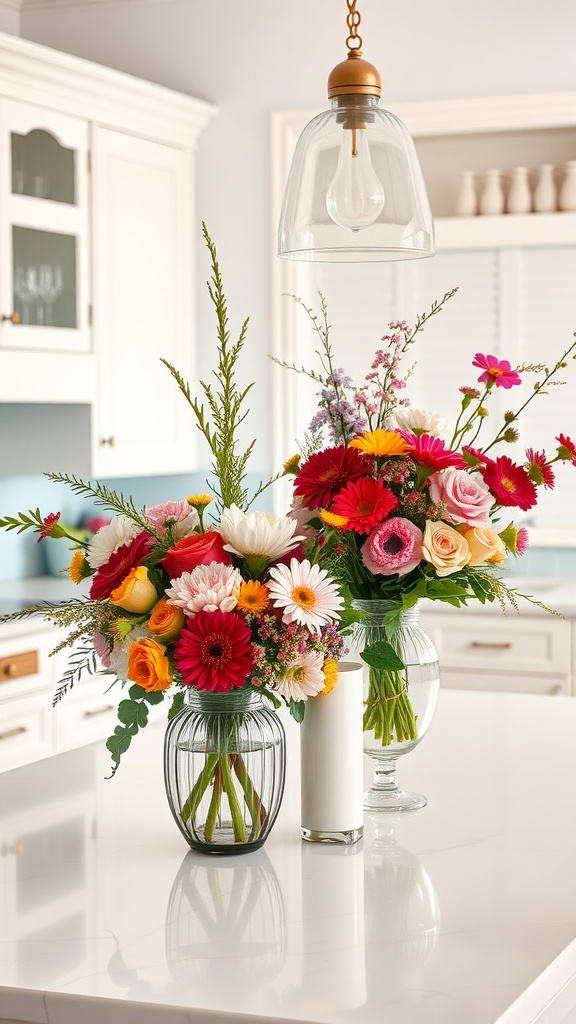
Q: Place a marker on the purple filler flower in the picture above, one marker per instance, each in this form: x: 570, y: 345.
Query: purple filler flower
x: 394, y: 546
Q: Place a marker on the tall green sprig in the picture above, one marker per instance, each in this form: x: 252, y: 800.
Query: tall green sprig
x: 225, y: 401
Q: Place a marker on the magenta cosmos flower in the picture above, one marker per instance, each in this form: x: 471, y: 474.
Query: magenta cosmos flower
x: 430, y: 451
x: 394, y: 547
x: 496, y: 371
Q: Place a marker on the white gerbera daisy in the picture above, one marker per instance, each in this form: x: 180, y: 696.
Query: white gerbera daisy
x: 206, y: 588
x: 257, y: 533
x: 306, y: 593
x: 109, y: 538
x: 302, y: 678
x: 421, y: 421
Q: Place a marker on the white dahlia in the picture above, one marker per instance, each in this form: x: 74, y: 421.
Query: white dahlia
x: 421, y: 421
x: 306, y: 594
x: 206, y: 588
x: 109, y: 538
x: 262, y: 534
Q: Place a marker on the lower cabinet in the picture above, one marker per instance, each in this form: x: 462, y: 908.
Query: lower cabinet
x: 492, y: 651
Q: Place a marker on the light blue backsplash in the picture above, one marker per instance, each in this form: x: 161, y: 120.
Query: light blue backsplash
x: 22, y: 555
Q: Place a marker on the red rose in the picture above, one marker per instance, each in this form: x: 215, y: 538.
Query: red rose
x: 198, y: 549
x: 116, y: 569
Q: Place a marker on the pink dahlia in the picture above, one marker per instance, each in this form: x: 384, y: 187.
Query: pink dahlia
x: 326, y: 472
x: 510, y: 484
x: 496, y: 371
x: 115, y: 570
x: 214, y: 651
x: 393, y: 547
x: 364, y: 503
x: 432, y: 452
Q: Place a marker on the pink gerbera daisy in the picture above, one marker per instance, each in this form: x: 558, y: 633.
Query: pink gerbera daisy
x: 538, y: 468
x: 510, y: 484
x: 522, y: 540
x: 431, y: 451
x: 214, y: 651
x: 496, y: 371
x: 325, y: 473
x: 363, y: 503
x: 474, y: 456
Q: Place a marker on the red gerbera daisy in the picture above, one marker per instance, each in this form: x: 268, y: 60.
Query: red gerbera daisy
x: 473, y: 456
x: 431, y: 451
x: 364, y: 503
x: 214, y: 651
x: 47, y: 524
x: 509, y: 483
x: 116, y: 569
x: 325, y: 473
x: 496, y: 371
x: 567, y: 449
x: 538, y: 468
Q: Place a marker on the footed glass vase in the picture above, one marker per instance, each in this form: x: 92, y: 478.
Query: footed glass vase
x: 398, y: 702
x: 224, y: 769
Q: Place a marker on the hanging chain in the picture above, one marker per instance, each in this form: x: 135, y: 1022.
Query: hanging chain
x: 354, y: 41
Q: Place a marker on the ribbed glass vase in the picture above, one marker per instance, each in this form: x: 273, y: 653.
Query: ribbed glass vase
x: 224, y: 769
x: 398, y: 703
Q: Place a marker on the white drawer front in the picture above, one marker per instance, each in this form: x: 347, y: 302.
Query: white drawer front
x: 508, y: 682
x: 501, y: 644
x: 26, y: 730
x: 25, y: 665
x: 87, y: 713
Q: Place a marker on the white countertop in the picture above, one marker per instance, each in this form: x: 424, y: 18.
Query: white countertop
x: 463, y: 913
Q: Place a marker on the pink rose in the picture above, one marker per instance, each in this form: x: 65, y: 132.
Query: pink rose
x: 467, y: 498
x: 394, y: 546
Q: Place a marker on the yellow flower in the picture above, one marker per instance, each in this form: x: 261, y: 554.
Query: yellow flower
x: 485, y: 545
x: 253, y: 596
x: 292, y: 465
x: 331, y: 519
x: 199, y: 500
x: 76, y: 566
x: 381, y: 443
x: 330, y: 670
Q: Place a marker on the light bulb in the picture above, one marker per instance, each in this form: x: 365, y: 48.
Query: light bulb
x: 356, y: 197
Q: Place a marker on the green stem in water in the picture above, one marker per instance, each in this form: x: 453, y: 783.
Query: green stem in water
x: 388, y: 711
x: 190, y: 807
x: 214, y: 807
x: 255, y: 806
x: 237, y: 819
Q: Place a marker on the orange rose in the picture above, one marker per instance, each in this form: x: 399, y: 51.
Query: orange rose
x: 198, y: 549
x: 136, y: 593
x: 148, y: 665
x: 166, y: 621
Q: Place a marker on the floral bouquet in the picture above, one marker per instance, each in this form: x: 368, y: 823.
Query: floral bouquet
x: 179, y: 604
x: 396, y: 514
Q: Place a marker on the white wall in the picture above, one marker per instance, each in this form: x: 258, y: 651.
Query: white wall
x: 252, y: 56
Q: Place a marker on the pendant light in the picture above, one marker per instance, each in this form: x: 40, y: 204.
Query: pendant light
x: 355, y: 191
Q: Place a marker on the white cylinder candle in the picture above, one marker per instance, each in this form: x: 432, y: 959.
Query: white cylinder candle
x: 332, y: 761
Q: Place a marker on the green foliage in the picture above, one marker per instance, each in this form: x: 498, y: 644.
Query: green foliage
x: 381, y: 655
x: 176, y: 705
x: 104, y: 496
x: 32, y: 521
x: 133, y: 716
x: 297, y: 709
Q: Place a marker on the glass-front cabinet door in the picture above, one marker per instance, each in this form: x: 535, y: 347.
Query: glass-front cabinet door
x: 44, y: 204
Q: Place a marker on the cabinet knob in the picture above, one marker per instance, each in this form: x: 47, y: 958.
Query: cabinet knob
x: 13, y: 318
x: 110, y: 441
x: 11, y: 669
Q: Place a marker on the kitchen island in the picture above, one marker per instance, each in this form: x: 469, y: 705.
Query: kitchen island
x: 462, y: 913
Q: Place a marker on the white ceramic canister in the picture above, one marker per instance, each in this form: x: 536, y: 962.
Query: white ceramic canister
x: 466, y: 204
x: 492, y: 194
x: 567, y: 197
x: 332, y: 761
x: 545, y: 191
x: 519, y: 199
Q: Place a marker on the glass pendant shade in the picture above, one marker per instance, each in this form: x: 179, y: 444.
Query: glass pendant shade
x: 355, y: 191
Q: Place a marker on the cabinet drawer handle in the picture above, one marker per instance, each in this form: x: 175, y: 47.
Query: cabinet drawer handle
x: 13, y: 318
x: 555, y: 690
x: 25, y: 664
x: 504, y: 645
x: 99, y: 711
x: 110, y: 441
x: 17, y: 731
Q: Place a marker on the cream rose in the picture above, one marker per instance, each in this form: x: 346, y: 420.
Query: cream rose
x: 485, y: 545
x: 445, y: 548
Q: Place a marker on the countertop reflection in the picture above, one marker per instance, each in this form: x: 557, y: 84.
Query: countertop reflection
x: 462, y: 912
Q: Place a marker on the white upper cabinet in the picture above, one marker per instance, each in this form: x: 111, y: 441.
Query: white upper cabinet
x: 97, y: 241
